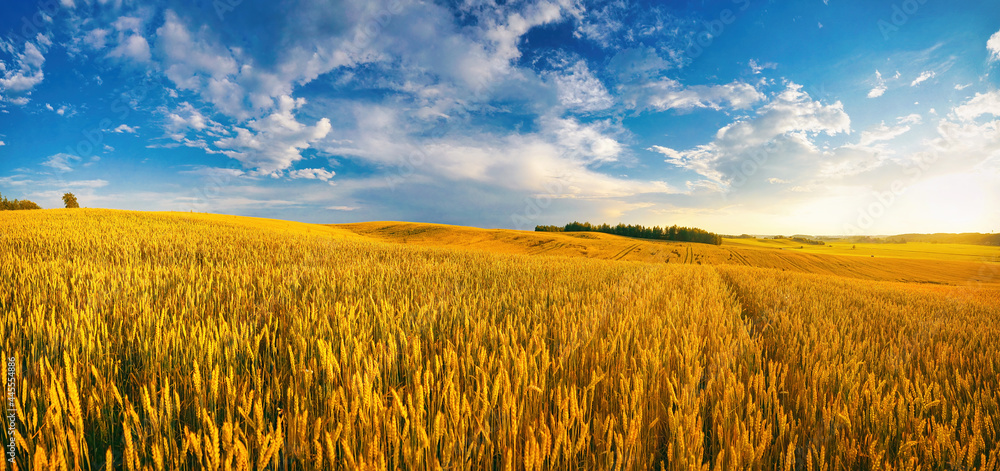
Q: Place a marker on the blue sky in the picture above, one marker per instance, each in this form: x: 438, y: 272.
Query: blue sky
x: 738, y: 116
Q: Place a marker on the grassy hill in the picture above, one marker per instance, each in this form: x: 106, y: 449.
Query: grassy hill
x: 921, y: 263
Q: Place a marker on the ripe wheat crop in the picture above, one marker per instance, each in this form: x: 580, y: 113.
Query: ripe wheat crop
x: 184, y: 341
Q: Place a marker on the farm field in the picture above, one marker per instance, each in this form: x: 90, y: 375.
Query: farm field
x: 193, y: 341
x: 953, y: 264
x: 914, y: 250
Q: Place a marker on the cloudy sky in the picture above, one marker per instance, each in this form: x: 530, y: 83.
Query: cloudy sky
x: 738, y: 116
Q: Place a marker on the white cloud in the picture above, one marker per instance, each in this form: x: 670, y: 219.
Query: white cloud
x: 790, y: 111
x: 128, y: 43
x: 96, y: 38
x: 558, y: 160
x: 993, y: 46
x: 601, y: 25
x: 981, y: 104
x: 638, y: 63
x: 882, y: 133
x: 924, y: 76
x: 215, y: 173
x: 274, y: 143
x: 17, y: 82
x: 2, y: 143
x: 913, y: 118
x: 757, y: 67
x: 61, y: 162
x: 779, y: 133
x: 312, y: 174
x: 580, y: 90
x: 62, y: 110
x: 124, y: 128
x: 959, y: 86
x: 777, y: 181
x: 880, y: 88
x: 588, y: 143
x: 423, y: 43
x: 670, y: 94
x: 342, y: 208
x: 418, y: 47
x: 877, y: 92
x: 134, y: 47
x: 197, y: 64
x: 89, y: 184
x: 186, y: 117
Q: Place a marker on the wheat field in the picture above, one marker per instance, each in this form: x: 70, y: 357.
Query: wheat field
x: 188, y: 341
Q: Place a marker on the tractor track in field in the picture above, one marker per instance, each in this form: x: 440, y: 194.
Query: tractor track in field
x: 625, y: 252
x: 739, y: 257
x: 689, y: 256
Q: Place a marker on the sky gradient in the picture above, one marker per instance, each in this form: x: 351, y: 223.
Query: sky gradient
x: 739, y: 116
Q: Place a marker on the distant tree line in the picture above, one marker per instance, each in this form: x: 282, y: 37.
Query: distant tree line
x: 805, y: 240
x: 15, y: 205
x: 675, y: 233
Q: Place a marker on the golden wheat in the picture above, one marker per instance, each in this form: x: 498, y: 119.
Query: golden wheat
x: 186, y: 341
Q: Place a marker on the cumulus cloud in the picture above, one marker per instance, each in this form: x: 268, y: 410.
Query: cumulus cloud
x: 792, y: 110
x: 420, y: 41
x: 199, y: 65
x: 96, y: 38
x: 273, y: 143
x: 923, y: 77
x: 993, y: 46
x: 186, y: 117
x: 134, y: 47
x: 779, y: 132
x: 670, y: 94
x: 437, y: 68
x: 981, y: 104
x: 2, y: 143
x: 126, y: 129
x: 17, y: 82
x: 588, y: 143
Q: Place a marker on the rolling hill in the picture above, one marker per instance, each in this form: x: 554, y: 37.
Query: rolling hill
x: 954, y: 264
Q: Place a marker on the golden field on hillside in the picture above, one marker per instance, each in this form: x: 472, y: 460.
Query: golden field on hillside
x: 191, y: 341
x: 954, y: 264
